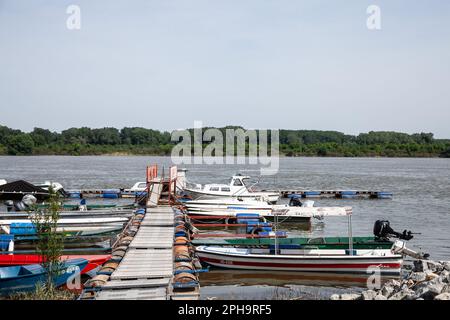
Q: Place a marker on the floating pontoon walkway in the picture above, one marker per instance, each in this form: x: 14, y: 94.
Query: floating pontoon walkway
x: 338, y: 194
x: 146, y: 270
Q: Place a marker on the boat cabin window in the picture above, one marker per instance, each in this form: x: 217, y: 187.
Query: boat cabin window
x: 225, y: 189
x: 237, y: 183
x: 214, y: 189
x: 142, y: 185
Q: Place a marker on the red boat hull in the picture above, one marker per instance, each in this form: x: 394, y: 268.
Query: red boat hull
x: 94, y: 261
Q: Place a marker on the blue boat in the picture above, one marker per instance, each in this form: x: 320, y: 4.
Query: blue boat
x: 25, y: 278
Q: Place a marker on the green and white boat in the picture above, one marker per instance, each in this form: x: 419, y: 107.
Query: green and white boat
x: 368, y: 242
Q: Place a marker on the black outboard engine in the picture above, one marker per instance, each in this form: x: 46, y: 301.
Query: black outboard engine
x: 382, y: 230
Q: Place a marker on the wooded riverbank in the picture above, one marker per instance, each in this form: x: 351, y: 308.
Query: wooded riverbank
x: 293, y: 143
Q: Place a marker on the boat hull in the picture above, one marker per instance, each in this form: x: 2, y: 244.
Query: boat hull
x: 265, y: 214
x: 12, y: 280
x: 356, y: 264
x: 195, y: 194
x: 94, y: 261
x: 312, y: 243
x: 283, y: 213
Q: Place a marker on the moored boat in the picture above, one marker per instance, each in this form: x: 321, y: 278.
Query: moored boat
x: 337, y: 255
x: 236, y: 188
x: 284, y: 212
x: 300, y: 242
x: 72, y: 214
x: 25, y: 278
x: 25, y: 226
x: 93, y: 261
x: 94, y: 206
x: 336, y: 261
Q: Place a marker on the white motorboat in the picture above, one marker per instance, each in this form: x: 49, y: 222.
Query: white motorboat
x: 227, y: 207
x: 138, y: 187
x: 236, y: 188
x: 56, y: 186
x: 65, y: 224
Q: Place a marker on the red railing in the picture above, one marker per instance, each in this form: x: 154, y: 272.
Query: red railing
x: 173, y: 173
x: 152, y: 173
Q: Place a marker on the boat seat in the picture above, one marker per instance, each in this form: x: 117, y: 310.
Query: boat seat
x: 24, y: 271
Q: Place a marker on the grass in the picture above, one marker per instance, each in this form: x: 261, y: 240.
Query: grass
x: 41, y: 293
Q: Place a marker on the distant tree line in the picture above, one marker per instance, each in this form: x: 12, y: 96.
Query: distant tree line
x: 141, y: 141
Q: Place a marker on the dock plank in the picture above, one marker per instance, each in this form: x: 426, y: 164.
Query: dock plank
x: 149, y: 263
x: 134, y: 294
x: 146, y: 270
x: 136, y: 283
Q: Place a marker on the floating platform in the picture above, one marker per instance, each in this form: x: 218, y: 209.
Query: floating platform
x: 337, y: 194
x: 105, y: 193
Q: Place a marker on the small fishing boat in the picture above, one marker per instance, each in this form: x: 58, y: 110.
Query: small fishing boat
x: 339, y: 261
x: 73, y: 214
x: 93, y: 261
x: 63, y: 225
x: 25, y: 278
x: 236, y: 188
x: 95, y: 206
x: 340, y: 255
x: 300, y: 243
x: 29, y: 234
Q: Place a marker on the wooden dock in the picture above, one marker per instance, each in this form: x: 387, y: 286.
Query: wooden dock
x: 146, y: 270
x: 152, y: 259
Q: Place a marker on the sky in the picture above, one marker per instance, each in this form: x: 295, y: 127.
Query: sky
x: 163, y: 64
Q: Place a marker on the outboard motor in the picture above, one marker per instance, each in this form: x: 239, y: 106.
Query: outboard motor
x: 382, y: 230
x: 295, y: 202
x: 9, y: 205
x: 82, y: 206
x: 29, y: 200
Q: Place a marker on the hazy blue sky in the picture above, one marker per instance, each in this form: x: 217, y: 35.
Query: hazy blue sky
x: 262, y: 64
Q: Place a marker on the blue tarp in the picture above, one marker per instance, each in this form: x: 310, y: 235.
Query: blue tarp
x: 5, y: 239
x: 22, y: 228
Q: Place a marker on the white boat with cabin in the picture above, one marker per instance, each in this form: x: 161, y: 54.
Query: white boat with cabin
x: 236, y: 188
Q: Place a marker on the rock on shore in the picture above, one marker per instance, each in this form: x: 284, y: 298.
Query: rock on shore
x: 429, y: 280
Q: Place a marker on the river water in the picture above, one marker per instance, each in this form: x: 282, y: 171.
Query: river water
x: 421, y: 203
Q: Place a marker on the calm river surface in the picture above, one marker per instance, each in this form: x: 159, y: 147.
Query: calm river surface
x: 421, y: 203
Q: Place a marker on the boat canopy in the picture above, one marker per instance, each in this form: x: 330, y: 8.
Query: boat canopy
x: 17, y: 189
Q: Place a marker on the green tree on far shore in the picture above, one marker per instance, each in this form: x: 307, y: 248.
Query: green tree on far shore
x: 293, y: 143
x: 21, y: 144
